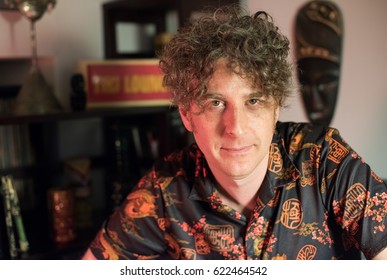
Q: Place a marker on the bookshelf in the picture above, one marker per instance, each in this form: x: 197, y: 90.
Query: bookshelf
x: 144, y: 133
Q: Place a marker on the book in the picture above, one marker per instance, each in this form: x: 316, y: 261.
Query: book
x: 13, y: 219
x: 15, y: 146
x: 121, y: 83
x: 4, y: 252
x: 8, y: 218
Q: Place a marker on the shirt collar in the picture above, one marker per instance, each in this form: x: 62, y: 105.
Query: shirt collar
x: 281, y: 173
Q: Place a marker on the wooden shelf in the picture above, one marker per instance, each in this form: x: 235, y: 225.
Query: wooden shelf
x: 92, y: 113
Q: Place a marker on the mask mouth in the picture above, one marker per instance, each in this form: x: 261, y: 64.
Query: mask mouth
x: 321, y: 117
x: 317, y: 115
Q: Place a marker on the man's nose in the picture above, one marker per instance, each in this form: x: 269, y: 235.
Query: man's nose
x: 235, y: 121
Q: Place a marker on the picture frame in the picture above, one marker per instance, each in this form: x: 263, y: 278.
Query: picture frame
x: 113, y: 83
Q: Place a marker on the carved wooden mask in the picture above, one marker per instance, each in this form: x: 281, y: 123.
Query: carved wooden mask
x: 319, y: 35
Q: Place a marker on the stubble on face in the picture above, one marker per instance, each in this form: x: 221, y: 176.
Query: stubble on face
x: 233, y: 124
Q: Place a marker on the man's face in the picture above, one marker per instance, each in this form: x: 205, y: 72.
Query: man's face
x: 236, y: 127
x: 319, y: 81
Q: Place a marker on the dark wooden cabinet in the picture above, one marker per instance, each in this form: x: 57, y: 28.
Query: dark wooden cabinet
x: 149, y: 133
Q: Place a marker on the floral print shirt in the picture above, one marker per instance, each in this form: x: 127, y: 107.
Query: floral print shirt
x: 319, y: 200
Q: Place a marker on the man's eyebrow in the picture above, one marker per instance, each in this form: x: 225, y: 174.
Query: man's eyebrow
x: 210, y: 95
x: 256, y: 94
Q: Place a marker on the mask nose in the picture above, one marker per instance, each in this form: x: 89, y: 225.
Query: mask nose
x: 317, y: 100
x: 313, y: 98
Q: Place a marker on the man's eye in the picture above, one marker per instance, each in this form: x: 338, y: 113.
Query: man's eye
x: 216, y: 103
x: 254, y: 101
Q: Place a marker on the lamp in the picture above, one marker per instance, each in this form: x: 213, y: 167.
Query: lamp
x: 35, y: 96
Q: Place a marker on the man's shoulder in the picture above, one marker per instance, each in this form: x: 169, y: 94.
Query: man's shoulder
x: 309, y: 132
x: 298, y: 135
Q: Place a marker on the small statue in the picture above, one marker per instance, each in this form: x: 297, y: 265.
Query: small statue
x: 319, y: 33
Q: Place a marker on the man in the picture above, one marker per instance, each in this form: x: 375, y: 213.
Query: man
x: 250, y: 187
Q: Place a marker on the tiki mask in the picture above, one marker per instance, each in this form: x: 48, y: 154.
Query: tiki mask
x: 319, y: 33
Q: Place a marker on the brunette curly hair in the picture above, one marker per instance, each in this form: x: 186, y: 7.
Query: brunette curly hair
x: 252, y: 45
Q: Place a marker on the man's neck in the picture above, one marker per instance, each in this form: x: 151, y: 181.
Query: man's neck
x: 240, y: 194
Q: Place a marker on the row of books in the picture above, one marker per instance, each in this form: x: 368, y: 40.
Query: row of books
x: 135, y: 148
x: 15, y: 146
x: 133, y: 144
x: 6, y: 105
x: 136, y: 145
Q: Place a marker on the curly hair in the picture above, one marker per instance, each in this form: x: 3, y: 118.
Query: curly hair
x: 252, y: 45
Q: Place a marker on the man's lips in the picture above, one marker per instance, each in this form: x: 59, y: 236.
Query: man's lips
x: 237, y: 150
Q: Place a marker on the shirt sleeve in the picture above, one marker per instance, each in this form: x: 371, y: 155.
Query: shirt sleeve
x: 358, y: 197
x: 135, y: 229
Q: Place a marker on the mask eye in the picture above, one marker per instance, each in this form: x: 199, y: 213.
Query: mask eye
x: 327, y: 87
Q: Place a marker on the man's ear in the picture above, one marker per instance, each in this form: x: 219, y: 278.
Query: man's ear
x: 186, y: 118
x: 277, y: 113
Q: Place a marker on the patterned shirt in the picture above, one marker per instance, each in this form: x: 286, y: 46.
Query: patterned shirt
x: 319, y: 200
